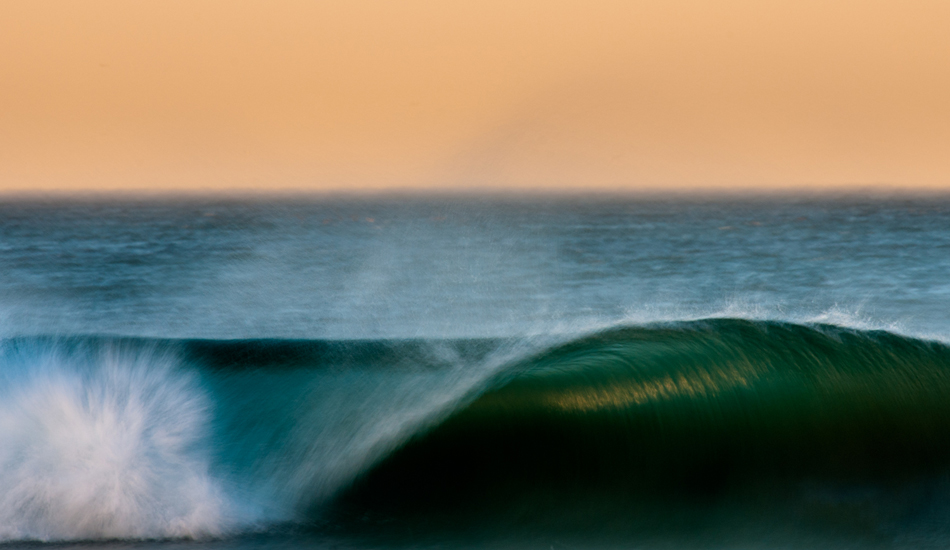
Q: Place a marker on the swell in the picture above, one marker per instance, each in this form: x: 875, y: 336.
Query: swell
x: 637, y: 421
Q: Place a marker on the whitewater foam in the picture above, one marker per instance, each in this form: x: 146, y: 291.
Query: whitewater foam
x: 103, y: 444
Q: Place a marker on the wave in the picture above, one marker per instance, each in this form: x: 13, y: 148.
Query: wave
x: 673, y: 424
x: 660, y: 424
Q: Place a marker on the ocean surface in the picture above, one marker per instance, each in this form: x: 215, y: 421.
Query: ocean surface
x: 475, y: 372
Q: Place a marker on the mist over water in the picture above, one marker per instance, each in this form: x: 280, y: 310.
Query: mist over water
x: 218, y: 369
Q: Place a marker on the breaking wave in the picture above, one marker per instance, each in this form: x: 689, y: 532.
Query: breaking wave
x: 660, y: 424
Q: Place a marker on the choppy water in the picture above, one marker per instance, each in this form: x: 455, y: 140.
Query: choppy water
x: 480, y: 372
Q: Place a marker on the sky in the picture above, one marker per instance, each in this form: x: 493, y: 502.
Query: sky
x: 368, y: 95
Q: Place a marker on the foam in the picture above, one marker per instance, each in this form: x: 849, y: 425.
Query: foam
x: 104, y: 444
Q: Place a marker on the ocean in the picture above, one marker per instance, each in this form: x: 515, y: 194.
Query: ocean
x: 550, y: 372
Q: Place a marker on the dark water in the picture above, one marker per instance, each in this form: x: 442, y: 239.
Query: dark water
x: 525, y: 373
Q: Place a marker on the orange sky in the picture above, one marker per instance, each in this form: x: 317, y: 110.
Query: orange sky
x: 500, y: 94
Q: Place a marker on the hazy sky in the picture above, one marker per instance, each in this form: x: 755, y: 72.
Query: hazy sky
x: 370, y: 94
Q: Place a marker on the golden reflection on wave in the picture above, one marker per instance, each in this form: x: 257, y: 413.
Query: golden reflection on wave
x: 700, y: 384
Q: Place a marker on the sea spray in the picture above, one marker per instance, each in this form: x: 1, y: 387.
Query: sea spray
x: 103, y: 443
x: 299, y: 420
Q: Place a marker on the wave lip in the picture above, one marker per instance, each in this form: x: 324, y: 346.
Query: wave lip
x: 103, y: 443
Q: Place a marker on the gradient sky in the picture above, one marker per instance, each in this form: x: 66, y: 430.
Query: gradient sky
x: 500, y: 94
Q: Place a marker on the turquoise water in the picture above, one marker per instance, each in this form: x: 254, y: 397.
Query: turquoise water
x: 479, y: 372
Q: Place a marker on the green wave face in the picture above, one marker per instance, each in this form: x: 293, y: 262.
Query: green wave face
x: 660, y: 420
